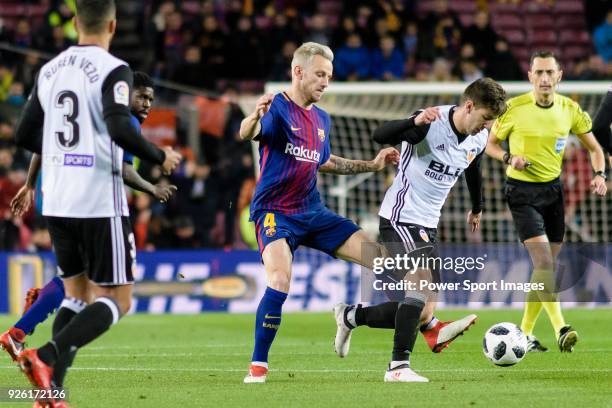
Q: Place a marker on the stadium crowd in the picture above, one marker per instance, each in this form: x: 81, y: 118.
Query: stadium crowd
x: 216, y: 46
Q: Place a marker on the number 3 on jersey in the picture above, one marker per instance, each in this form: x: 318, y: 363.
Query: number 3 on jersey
x: 70, y: 139
x: 270, y: 224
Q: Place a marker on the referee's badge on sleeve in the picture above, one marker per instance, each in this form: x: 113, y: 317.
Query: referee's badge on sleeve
x: 121, y: 93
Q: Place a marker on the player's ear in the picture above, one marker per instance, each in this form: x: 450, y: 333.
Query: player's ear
x: 75, y: 23
x: 112, y: 25
x: 560, y: 76
x: 297, y: 71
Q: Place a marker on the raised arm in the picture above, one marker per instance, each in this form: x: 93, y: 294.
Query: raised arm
x: 251, y: 125
x: 340, y: 165
x: 412, y: 130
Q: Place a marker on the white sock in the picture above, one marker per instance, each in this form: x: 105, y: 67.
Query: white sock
x: 350, y: 316
x: 431, y: 324
x: 260, y: 364
x: 395, y: 364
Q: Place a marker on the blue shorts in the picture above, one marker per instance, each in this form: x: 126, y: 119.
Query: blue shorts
x: 320, y: 229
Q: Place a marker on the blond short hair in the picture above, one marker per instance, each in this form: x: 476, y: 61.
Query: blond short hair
x: 306, y: 52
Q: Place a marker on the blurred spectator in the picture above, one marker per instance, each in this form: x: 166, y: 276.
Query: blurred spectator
x: 442, y: 28
x: 468, y: 70
x: 245, y: 58
x: 212, y: 42
x: 6, y: 79
x: 22, y: 37
x: 26, y: 71
x: 441, y: 71
x: 502, y: 66
x: 193, y: 72
x: 16, y: 94
x: 381, y: 30
x: 61, y: 16
x: 41, y: 240
x: 602, y: 37
x: 170, y: 43
x: 352, y: 62
x: 387, y: 61
x: 410, y: 39
x: 58, y: 42
x: 319, y: 30
x: 346, y: 27
x: 482, y: 36
x: 281, y: 67
x: 590, y: 69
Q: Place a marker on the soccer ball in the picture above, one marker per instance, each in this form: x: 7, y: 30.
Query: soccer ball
x: 504, y: 344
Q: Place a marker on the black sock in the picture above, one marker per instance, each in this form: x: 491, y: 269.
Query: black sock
x: 406, y: 324
x: 381, y: 316
x: 63, y: 317
x: 85, y: 327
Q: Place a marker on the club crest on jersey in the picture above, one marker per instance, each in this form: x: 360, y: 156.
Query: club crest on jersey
x: 270, y: 232
x: 471, y: 154
x: 302, y: 154
x: 321, y: 133
x: 423, y: 235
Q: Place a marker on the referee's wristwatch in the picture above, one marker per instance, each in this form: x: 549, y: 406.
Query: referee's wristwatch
x: 601, y: 174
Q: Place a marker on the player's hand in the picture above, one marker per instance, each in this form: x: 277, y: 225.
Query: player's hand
x: 519, y: 163
x: 598, y: 186
x: 389, y: 155
x: 474, y: 220
x: 263, y: 105
x: 173, y: 158
x: 163, y: 192
x: 427, y: 116
x: 21, y: 203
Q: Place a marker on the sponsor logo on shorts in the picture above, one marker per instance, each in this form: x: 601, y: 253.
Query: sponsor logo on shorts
x: 78, y: 160
x: 270, y: 232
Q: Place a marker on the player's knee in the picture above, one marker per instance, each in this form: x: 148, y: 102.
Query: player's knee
x: 280, y: 282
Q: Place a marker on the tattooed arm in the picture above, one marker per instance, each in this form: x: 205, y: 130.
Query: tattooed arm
x: 340, y: 165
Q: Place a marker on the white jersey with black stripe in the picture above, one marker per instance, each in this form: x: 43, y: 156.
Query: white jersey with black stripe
x: 428, y: 170
x: 81, y: 165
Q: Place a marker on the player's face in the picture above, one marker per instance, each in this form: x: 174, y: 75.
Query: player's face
x: 544, y: 75
x: 315, y: 78
x: 142, y: 99
x: 477, y: 119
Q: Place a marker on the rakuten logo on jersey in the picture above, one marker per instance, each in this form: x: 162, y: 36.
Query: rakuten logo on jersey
x: 302, y: 154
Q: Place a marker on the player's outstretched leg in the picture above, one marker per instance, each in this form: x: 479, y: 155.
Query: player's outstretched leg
x: 84, y: 327
x: 277, y: 260
x: 348, y: 317
x: 39, y: 304
x: 407, y: 319
x: 69, y: 308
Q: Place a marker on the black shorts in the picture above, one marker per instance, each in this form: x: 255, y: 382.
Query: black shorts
x: 412, y: 239
x: 537, y: 208
x: 103, y: 248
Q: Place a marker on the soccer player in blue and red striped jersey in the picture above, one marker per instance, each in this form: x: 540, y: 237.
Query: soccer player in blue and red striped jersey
x: 293, y: 137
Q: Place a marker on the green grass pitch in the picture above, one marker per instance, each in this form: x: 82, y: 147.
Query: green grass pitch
x: 200, y: 361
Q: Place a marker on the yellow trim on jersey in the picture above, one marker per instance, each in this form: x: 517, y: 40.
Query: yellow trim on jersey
x: 540, y: 134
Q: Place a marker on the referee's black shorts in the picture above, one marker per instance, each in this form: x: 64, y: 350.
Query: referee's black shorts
x: 537, y: 208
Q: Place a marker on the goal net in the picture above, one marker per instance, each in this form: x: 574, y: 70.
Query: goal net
x: 358, y: 108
